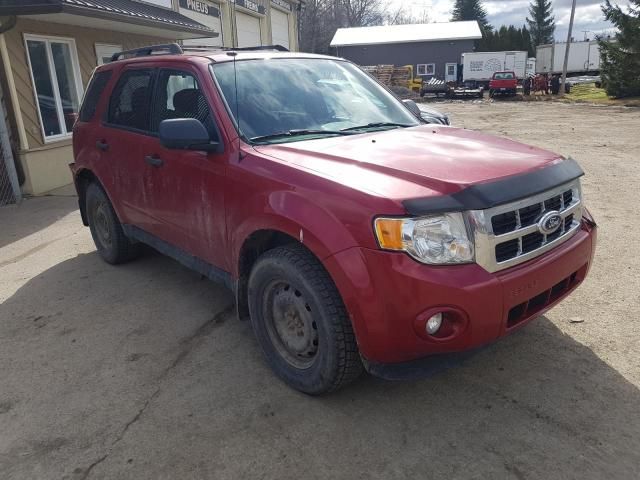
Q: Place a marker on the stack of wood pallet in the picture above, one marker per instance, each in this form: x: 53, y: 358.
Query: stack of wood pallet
x: 383, y: 73
x: 390, y: 75
x: 401, y: 76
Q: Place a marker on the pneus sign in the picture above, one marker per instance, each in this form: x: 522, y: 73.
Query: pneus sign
x: 202, y: 7
x: 549, y: 222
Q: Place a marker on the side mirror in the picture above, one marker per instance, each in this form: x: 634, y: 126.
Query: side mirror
x: 412, y: 107
x: 186, y: 134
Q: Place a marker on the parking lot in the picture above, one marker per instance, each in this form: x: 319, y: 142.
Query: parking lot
x: 142, y: 371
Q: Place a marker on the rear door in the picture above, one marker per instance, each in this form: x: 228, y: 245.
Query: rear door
x: 186, y: 187
x: 118, y: 139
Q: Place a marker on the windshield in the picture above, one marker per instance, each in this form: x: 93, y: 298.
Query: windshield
x: 289, y: 99
x: 503, y: 76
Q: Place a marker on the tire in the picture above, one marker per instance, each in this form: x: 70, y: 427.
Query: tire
x: 111, y: 242
x: 301, y: 322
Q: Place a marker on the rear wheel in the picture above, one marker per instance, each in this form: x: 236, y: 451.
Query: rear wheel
x: 301, y: 322
x: 111, y: 242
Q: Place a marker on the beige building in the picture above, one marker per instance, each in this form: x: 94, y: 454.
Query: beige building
x: 49, y: 48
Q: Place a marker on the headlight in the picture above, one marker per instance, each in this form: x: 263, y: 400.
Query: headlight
x: 436, y: 240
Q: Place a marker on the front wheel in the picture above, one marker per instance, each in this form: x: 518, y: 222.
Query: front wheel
x: 301, y: 322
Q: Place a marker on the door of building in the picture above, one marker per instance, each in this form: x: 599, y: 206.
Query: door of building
x: 248, y: 28
x: 451, y: 72
x: 279, y: 28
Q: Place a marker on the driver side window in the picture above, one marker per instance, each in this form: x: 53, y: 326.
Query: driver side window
x: 179, y: 96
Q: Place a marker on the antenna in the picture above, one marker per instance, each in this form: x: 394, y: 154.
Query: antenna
x: 234, y: 40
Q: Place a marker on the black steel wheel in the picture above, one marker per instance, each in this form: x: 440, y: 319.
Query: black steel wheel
x: 301, y: 322
x: 111, y: 242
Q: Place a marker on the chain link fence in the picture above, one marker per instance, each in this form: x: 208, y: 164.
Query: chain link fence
x: 9, y: 187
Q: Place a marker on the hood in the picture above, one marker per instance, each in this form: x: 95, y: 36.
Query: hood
x: 422, y: 161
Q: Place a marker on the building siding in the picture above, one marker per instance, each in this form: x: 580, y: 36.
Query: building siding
x: 85, y: 40
x: 413, y: 53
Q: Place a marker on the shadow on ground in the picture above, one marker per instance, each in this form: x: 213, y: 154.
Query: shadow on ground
x: 142, y: 371
x: 32, y: 215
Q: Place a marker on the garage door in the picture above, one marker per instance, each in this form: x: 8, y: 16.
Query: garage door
x: 279, y: 28
x: 248, y: 30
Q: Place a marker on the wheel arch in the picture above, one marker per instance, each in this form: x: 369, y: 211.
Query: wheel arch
x: 83, y: 178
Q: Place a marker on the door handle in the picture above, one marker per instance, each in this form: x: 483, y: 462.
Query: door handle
x: 153, y: 161
x: 102, y: 145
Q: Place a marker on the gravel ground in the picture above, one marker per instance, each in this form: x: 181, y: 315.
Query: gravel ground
x: 141, y: 371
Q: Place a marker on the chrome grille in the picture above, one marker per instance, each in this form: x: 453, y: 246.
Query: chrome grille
x: 508, y: 234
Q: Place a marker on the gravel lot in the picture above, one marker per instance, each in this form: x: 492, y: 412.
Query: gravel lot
x: 141, y: 371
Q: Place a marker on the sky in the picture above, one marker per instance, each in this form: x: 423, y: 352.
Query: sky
x: 513, y: 12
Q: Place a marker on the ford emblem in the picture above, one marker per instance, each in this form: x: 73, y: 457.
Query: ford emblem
x: 549, y: 222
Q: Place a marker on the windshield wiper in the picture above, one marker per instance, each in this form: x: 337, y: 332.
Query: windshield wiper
x: 376, y: 125
x: 298, y: 132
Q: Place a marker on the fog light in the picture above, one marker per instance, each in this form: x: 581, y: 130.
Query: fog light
x: 433, y: 324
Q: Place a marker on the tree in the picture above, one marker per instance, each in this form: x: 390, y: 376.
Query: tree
x: 542, y: 23
x: 620, y: 60
x: 403, y: 16
x: 464, y: 10
x: 506, y: 38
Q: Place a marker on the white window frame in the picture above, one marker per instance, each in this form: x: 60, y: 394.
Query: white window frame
x: 108, y: 48
x: 426, y: 67
x: 54, y: 79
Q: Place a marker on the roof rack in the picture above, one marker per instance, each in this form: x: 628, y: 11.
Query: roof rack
x: 168, y: 48
x: 175, y: 49
x: 204, y: 48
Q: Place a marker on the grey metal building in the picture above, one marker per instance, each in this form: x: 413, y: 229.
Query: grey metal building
x: 434, y: 49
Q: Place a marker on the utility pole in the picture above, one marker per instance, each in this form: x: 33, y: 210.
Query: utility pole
x: 566, y: 50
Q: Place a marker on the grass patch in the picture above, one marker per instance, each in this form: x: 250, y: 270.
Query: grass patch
x: 587, y: 92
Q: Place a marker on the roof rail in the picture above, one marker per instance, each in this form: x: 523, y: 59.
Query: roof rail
x: 168, y: 48
x: 204, y: 48
x: 278, y: 48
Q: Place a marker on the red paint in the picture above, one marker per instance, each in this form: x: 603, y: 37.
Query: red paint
x: 503, y: 84
x: 331, y: 189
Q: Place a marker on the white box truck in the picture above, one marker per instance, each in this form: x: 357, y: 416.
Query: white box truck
x: 583, y: 57
x: 480, y: 66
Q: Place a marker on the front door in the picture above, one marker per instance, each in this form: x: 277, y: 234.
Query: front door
x: 451, y: 72
x: 186, y: 186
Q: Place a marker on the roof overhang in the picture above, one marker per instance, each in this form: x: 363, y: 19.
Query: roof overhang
x: 364, y: 44
x: 141, y: 19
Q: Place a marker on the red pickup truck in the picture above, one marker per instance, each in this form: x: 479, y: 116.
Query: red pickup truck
x: 353, y: 235
x: 504, y: 83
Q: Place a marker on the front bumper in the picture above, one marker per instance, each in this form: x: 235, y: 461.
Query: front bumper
x: 389, y: 294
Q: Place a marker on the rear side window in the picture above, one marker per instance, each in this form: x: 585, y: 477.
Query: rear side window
x: 130, y: 99
x: 92, y: 97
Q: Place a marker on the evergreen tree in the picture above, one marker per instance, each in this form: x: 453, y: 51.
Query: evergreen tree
x: 620, y: 64
x: 542, y: 23
x: 471, y: 10
x: 506, y: 38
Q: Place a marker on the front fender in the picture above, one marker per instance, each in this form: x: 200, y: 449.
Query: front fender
x: 292, y: 213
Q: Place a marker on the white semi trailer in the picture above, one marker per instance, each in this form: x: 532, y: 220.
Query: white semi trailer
x: 480, y: 66
x: 583, y: 57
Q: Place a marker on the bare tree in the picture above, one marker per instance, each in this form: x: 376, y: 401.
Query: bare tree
x: 404, y: 16
x: 320, y: 19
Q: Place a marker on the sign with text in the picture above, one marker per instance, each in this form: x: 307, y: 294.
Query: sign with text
x: 282, y: 4
x: 199, y: 6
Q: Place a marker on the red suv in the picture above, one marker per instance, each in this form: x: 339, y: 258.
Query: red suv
x: 352, y: 234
